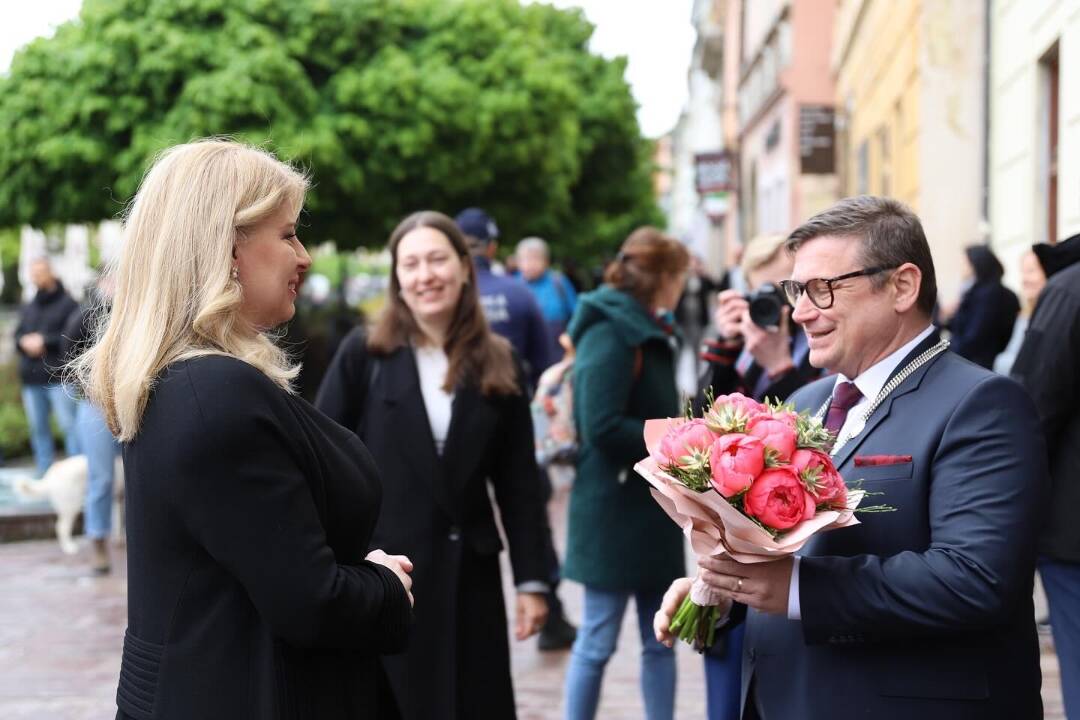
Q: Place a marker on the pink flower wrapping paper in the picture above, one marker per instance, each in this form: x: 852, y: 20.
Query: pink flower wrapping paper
x: 714, y: 527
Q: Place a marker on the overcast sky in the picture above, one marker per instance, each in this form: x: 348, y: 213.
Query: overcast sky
x: 656, y: 36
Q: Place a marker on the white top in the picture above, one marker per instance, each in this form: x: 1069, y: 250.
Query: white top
x: 432, y: 364
x: 869, y: 382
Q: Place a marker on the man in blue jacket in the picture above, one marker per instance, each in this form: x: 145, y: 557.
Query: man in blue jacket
x: 925, y: 612
x: 509, y: 306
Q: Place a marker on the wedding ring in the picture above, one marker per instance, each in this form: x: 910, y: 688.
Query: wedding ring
x: 738, y: 585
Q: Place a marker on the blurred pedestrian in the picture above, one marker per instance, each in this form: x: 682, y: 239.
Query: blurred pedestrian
x: 96, y: 442
x: 1032, y: 281
x: 759, y: 351
x: 553, y: 292
x: 692, y: 312
x: 510, y: 309
x: 1048, y: 366
x: 251, y: 590
x: 441, y: 403
x: 984, y: 320
x: 38, y: 343
x: 621, y: 545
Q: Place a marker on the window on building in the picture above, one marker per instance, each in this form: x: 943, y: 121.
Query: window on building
x: 1048, y: 142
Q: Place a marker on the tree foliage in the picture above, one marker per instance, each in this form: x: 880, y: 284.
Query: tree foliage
x: 392, y: 105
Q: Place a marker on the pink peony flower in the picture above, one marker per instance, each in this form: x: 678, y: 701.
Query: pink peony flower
x: 735, y: 460
x: 777, y: 434
x: 823, y: 482
x: 684, y: 443
x: 779, y: 499
x: 739, y: 402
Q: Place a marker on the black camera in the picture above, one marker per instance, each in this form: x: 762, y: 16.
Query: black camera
x: 766, y: 305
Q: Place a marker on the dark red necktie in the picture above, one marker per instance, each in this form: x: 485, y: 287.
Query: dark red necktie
x: 844, y: 397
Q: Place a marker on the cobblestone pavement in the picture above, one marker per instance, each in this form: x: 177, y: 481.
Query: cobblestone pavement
x: 61, y: 630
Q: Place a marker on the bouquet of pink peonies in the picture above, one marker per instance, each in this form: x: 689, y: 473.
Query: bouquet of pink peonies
x: 750, y: 480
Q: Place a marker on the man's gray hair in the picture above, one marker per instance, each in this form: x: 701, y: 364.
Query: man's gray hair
x: 533, y: 244
x: 889, y: 233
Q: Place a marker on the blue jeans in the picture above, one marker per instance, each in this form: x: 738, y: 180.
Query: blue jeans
x: 595, y: 644
x: 101, y: 449
x: 1061, y: 580
x: 38, y: 400
x: 723, y: 676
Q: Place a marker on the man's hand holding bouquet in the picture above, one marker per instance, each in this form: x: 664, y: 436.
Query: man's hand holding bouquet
x: 747, y: 480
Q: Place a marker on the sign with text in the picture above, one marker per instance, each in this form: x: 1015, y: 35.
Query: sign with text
x: 713, y: 172
x: 817, y: 140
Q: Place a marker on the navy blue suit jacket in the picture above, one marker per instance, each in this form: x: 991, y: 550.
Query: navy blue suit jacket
x: 925, y: 612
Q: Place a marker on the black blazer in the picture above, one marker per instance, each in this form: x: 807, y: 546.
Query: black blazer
x: 437, y: 510
x: 925, y: 612
x: 248, y: 518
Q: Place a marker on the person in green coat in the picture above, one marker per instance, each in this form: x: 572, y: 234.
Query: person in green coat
x: 620, y: 543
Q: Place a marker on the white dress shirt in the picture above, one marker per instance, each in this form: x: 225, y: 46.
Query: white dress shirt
x: 870, y: 382
x: 432, y: 364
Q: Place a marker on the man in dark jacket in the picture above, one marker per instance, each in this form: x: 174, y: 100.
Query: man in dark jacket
x: 1048, y: 365
x: 508, y: 304
x: 37, y: 340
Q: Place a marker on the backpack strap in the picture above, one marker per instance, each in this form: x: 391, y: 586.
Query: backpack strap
x: 639, y: 361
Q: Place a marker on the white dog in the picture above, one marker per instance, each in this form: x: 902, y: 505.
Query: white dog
x: 64, y: 484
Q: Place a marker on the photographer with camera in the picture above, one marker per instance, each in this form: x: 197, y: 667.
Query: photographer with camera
x: 759, y: 351
x: 762, y: 354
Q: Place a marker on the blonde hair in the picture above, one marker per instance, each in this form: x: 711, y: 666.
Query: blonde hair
x: 760, y: 251
x: 175, y: 295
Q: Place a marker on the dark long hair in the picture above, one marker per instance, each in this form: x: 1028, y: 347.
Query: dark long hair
x: 476, y: 355
x: 984, y: 263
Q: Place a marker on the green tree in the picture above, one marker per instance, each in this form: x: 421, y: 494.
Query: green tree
x: 392, y: 105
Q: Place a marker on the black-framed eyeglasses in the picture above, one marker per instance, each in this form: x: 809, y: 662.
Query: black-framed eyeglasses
x: 820, y: 290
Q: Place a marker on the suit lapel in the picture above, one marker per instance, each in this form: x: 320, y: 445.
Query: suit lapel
x: 409, y: 425
x: 909, y: 385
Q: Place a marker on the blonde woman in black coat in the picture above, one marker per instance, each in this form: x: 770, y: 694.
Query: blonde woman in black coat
x: 438, y: 399
x: 251, y: 591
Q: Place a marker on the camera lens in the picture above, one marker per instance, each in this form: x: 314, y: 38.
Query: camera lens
x: 766, y: 305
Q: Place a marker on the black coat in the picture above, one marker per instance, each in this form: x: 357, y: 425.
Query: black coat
x: 46, y: 314
x: 249, y: 514
x: 984, y: 322
x: 437, y: 511
x: 1048, y: 366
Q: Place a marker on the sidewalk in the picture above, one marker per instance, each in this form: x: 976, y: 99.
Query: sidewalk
x: 61, y: 632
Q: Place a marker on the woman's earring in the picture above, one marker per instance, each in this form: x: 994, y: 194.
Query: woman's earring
x: 235, y: 273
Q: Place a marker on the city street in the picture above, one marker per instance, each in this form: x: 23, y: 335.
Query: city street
x: 61, y: 631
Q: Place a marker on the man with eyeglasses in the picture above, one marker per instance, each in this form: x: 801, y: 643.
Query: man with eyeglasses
x: 924, y: 612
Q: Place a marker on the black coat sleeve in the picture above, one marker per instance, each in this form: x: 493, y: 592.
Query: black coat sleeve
x: 241, y: 491
x: 518, y: 493
x: 340, y: 394
x: 1047, y: 362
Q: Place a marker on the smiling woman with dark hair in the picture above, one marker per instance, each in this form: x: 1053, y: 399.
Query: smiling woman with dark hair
x: 983, y: 323
x: 438, y: 399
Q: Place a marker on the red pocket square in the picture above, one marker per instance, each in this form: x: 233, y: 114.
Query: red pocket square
x: 871, y: 460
